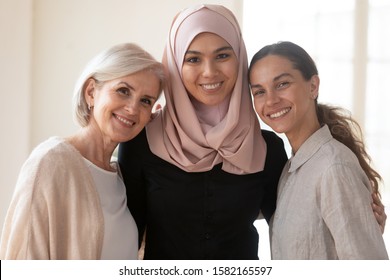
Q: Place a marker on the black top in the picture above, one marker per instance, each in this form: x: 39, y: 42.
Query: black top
x: 198, y: 215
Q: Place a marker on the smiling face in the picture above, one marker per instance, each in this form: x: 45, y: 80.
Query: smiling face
x: 210, y: 69
x: 283, y: 99
x: 122, y: 107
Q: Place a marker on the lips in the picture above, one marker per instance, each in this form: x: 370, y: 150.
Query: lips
x: 211, y: 86
x: 124, y: 120
x: 279, y: 113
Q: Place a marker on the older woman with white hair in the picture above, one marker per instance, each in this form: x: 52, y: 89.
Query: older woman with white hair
x: 70, y: 200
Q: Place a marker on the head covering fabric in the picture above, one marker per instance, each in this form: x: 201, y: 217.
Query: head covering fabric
x: 177, y: 134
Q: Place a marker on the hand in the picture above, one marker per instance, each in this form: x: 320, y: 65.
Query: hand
x: 379, y: 211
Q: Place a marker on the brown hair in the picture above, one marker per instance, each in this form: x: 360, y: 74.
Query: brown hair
x: 346, y: 130
x: 342, y: 126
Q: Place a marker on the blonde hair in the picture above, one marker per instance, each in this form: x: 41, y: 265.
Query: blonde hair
x: 116, y: 62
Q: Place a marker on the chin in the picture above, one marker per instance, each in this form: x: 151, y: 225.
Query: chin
x: 277, y: 129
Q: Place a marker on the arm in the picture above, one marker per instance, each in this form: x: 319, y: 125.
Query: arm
x: 54, y: 195
x: 345, y: 204
x: 274, y: 163
x: 26, y: 229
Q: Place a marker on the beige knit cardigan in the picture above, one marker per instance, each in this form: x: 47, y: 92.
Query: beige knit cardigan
x: 55, y: 212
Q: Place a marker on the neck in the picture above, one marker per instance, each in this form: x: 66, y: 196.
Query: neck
x: 93, y: 147
x: 298, y: 136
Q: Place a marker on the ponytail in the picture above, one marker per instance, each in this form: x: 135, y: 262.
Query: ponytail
x: 347, y: 131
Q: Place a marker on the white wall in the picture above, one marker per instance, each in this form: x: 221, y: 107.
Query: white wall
x: 15, y: 92
x: 44, y: 46
x: 67, y: 33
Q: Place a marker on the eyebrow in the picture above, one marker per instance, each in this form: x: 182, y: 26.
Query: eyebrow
x: 126, y: 84
x: 132, y: 88
x: 274, y: 79
x: 227, y: 48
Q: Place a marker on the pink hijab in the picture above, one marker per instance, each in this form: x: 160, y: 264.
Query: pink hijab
x: 194, y: 137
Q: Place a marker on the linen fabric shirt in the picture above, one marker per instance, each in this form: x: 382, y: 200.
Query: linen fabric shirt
x: 323, y: 205
x: 198, y: 215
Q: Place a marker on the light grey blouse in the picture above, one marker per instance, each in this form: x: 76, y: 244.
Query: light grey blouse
x: 323, y: 205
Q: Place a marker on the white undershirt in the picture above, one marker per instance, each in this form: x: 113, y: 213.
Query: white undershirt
x: 120, y: 230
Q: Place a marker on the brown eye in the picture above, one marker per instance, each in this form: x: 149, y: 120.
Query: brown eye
x: 123, y: 91
x: 259, y: 92
x: 146, y: 101
x: 283, y: 84
x: 223, y: 56
x: 192, y: 60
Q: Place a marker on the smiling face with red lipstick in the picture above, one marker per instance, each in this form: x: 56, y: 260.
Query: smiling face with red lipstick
x: 284, y: 99
x: 210, y: 69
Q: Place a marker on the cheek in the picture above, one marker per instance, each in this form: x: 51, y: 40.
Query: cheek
x: 258, y: 104
x: 186, y: 80
x: 145, y: 115
x: 234, y: 75
x: 231, y: 69
x: 187, y: 74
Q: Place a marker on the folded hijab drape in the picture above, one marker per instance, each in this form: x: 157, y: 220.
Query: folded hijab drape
x: 181, y: 133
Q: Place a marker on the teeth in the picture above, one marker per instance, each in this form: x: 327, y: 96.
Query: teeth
x: 211, y: 86
x: 279, y: 114
x: 125, y: 121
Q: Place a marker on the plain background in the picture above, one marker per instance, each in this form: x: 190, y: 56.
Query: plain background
x: 44, y: 46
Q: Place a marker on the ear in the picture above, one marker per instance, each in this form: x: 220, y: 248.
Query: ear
x: 89, y: 91
x: 314, y: 86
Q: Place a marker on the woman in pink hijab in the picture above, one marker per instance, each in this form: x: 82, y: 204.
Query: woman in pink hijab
x: 202, y: 171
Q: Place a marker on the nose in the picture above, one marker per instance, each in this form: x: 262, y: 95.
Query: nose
x: 272, y: 98
x: 132, y: 106
x: 210, y: 68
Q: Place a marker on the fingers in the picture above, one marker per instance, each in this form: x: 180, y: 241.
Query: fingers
x: 381, y: 221
x: 377, y: 200
x: 379, y: 211
x: 377, y: 208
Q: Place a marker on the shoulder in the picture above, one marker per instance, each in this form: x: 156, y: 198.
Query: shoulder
x: 45, y: 168
x: 53, y: 174
x: 138, y: 148
x: 275, y: 144
x: 271, y: 138
x: 53, y: 152
x: 339, y: 163
x: 54, y: 160
x: 335, y: 152
x: 140, y: 141
x: 276, y: 153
